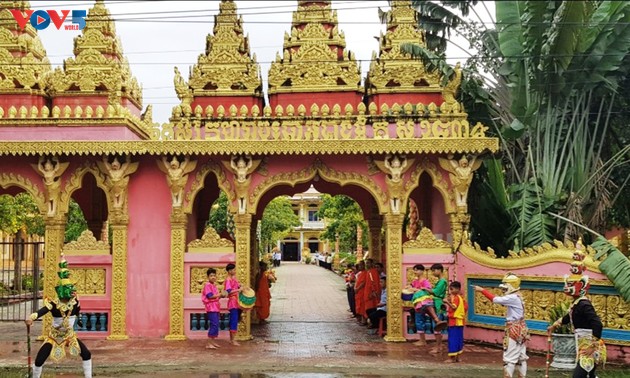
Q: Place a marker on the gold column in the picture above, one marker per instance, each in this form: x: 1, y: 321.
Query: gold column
x: 243, y: 225
x: 119, y: 279
x: 178, y: 245
x: 375, y: 226
x: 393, y: 227
x: 54, y: 238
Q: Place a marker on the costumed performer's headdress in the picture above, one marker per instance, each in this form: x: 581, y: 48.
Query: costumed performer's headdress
x: 576, y: 284
x: 65, y: 287
x: 510, y: 283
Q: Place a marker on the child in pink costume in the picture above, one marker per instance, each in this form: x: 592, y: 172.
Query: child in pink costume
x: 210, y: 298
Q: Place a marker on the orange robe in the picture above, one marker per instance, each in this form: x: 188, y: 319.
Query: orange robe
x: 358, y: 293
x: 263, y: 297
x: 372, y: 293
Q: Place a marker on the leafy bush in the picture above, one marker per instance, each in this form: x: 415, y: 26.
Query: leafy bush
x: 27, y: 282
x: 307, y: 260
x: 557, y: 312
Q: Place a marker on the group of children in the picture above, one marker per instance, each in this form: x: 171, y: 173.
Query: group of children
x: 211, y: 296
x: 444, y: 311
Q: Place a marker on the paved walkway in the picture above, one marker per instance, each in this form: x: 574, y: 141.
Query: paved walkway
x: 309, y: 335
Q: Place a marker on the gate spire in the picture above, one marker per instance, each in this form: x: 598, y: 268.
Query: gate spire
x: 395, y: 76
x: 315, y: 60
x: 23, y: 60
x: 98, y: 68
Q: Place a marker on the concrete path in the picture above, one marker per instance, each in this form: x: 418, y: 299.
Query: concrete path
x: 310, y: 334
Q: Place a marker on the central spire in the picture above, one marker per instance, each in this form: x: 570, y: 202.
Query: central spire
x: 314, y: 57
x: 226, y: 68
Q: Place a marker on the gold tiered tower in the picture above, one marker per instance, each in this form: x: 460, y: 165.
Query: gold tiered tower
x: 394, y: 73
x: 23, y: 61
x: 226, y: 74
x: 98, y: 73
x: 315, y: 60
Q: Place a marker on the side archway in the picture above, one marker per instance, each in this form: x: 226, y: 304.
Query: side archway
x: 8, y: 180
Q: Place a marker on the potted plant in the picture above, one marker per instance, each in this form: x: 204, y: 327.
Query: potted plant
x: 562, y: 340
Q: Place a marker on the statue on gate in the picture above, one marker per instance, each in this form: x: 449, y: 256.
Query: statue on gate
x: 461, y: 175
x: 242, y: 166
x: 117, y: 177
x: 51, y: 170
x: 177, y: 176
x: 395, y: 166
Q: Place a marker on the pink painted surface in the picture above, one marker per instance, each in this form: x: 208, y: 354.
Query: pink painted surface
x: 440, y: 224
x: 404, y: 98
x: 19, y: 100
x: 226, y: 102
x: 192, y: 301
x: 148, y: 256
x: 538, y: 342
x: 68, y: 133
x: 320, y: 98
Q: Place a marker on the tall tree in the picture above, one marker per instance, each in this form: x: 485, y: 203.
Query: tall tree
x: 342, y: 215
x: 277, y: 222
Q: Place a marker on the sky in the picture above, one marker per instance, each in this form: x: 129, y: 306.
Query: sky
x: 159, y: 35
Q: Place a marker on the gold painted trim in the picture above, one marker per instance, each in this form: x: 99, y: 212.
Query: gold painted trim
x: 267, y: 147
x: 328, y: 174
x: 198, y: 184
x: 536, y: 278
x: 437, y: 179
x: 86, y: 244
x: 546, y: 254
x: 8, y: 180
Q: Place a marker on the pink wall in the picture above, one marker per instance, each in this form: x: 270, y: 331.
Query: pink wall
x: 148, y: 257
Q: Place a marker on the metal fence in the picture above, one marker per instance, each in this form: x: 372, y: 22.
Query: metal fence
x: 21, y: 279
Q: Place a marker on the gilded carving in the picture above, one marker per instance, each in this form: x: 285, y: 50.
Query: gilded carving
x: 617, y: 313
x: 394, y: 71
x: 545, y: 299
x: 426, y: 239
x: 197, y: 185
x: 425, y: 165
x: 117, y: 178
x: 178, y: 245
x: 327, y: 173
x: 89, y: 281
x: 242, y: 166
x: 261, y: 147
x: 53, y: 239
x: 23, y: 61
x: 119, y: 280
x: 51, y: 169
x: 393, y: 227
x: 545, y: 253
x: 395, y: 167
x: 226, y: 67
x: 198, y: 278
x: 461, y: 175
x: 86, y: 244
x: 243, y: 223
x: 210, y: 239
x: 98, y: 66
x: 313, y: 57
x: 177, y: 176
x: 10, y: 179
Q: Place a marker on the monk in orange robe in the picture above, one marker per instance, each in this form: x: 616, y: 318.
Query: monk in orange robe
x: 359, y: 288
x: 263, y: 295
x: 372, y: 292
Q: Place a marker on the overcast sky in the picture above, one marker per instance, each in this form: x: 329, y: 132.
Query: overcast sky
x: 158, y: 35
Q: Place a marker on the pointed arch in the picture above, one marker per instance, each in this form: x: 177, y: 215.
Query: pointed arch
x: 200, y: 178
x: 11, y: 179
x: 75, y: 183
x: 437, y: 179
x: 325, y: 172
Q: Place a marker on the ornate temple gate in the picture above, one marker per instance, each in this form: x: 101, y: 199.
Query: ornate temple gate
x: 401, y: 137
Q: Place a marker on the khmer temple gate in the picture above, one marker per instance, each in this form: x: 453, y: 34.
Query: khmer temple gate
x: 389, y: 140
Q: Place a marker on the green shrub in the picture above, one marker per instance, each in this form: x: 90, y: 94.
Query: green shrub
x: 307, y: 260
x: 557, y: 312
x: 27, y: 282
